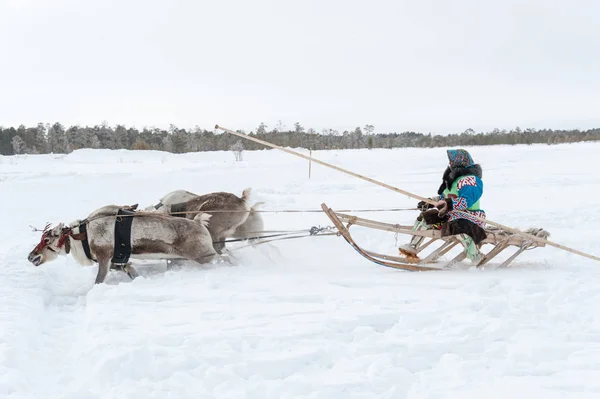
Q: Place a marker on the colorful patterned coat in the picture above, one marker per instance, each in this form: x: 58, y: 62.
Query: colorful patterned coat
x: 463, y: 187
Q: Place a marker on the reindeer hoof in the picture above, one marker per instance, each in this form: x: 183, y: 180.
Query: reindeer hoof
x: 131, y: 272
x: 175, y: 263
x: 225, y: 259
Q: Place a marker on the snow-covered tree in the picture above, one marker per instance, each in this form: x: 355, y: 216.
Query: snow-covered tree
x: 18, y: 145
x: 238, y: 149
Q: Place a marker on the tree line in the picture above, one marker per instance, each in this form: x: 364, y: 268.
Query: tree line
x: 56, y: 138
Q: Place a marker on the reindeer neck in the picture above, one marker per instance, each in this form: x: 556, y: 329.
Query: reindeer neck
x: 80, y: 247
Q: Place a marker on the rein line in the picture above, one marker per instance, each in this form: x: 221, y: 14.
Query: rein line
x: 257, y: 211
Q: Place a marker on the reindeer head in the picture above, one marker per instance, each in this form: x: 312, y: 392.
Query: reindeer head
x: 54, y: 242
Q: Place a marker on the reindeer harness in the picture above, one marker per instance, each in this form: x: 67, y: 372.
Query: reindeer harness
x: 63, y: 240
x: 122, y: 245
x: 122, y: 249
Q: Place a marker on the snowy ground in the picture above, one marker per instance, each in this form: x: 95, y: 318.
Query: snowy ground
x: 309, y: 317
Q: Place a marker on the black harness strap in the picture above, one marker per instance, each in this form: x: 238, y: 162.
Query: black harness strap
x: 122, y: 249
x: 178, y: 209
x: 84, y: 241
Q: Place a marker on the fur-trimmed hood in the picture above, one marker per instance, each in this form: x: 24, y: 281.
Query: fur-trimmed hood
x: 450, y: 175
x: 460, y: 163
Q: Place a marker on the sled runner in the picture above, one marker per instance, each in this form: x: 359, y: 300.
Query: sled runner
x: 496, y: 237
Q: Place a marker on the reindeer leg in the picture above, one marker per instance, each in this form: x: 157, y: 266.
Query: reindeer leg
x: 130, y: 271
x: 219, y: 246
x: 204, y: 259
x: 174, y: 263
x: 103, y: 266
x: 229, y: 257
x: 213, y: 259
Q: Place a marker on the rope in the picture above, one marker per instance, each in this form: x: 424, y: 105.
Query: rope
x: 282, y: 211
x: 313, y: 231
x: 224, y: 211
x: 251, y: 238
x: 139, y: 212
x: 286, y: 238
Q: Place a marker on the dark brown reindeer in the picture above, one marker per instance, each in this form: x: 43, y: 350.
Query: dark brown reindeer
x: 228, y: 212
x: 153, y: 236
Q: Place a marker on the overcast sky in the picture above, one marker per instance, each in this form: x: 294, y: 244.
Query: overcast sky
x: 429, y: 66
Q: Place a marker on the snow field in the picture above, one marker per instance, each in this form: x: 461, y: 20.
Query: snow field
x: 306, y: 317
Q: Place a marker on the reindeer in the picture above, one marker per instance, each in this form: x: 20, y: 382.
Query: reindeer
x: 174, y: 197
x: 228, y: 212
x: 253, y: 225
x: 153, y: 236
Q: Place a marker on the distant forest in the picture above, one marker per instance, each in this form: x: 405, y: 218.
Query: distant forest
x: 56, y: 138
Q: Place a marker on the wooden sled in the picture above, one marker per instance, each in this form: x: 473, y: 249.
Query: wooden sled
x: 498, y: 238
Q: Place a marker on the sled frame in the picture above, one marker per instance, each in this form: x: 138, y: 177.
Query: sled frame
x: 499, y: 239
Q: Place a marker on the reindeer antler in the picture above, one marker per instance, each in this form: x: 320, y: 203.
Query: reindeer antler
x: 43, y: 231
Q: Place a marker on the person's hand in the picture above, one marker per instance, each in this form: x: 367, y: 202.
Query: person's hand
x: 423, y: 206
x: 442, y: 206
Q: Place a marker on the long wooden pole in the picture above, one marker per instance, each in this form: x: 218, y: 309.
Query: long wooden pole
x: 245, y: 136
x: 429, y: 201
x: 309, y: 163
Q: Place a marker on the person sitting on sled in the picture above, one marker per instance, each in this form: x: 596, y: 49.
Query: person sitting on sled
x: 458, y: 200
